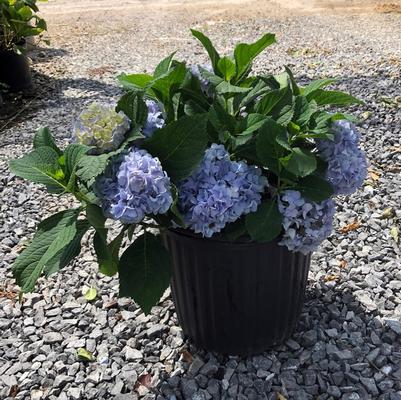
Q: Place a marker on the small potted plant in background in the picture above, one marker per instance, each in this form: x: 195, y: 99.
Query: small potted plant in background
x: 18, y: 21
x: 227, y: 176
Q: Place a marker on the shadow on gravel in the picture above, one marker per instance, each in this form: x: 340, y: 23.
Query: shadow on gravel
x: 46, y: 92
x: 339, y: 350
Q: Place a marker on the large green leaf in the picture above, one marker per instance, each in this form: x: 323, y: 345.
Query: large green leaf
x: 165, y: 85
x: 269, y: 100
x: 135, y: 81
x: 332, y: 97
x: 41, y: 166
x: 107, y: 253
x: 245, y: 53
x: 251, y: 123
x: 43, y: 137
x: 134, y: 107
x: 265, y: 224
x: 300, y: 162
x: 145, y: 271
x: 303, y: 110
x: 295, y: 89
x: 89, y: 167
x: 69, y: 252
x: 221, y: 86
x: 227, y: 68
x: 180, y: 145
x: 207, y: 44
x: 163, y: 66
x: 314, y: 188
x: 53, y: 235
x: 318, y: 84
x: 72, y: 154
x: 268, y: 149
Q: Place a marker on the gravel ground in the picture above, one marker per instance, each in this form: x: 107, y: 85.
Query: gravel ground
x: 348, y: 342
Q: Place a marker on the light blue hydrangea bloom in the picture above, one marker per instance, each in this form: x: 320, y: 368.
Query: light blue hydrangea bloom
x: 219, y: 192
x: 306, y: 224
x: 347, y: 165
x: 204, y: 82
x: 100, y: 126
x: 155, y: 119
x: 134, y: 185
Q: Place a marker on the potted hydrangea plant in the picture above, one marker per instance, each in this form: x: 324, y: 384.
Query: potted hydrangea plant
x: 18, y: 21
x: 217, y: 180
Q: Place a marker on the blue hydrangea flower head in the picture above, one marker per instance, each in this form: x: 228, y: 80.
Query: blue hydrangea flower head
x: 155, y: 119
x: 347, y: 165
x: 204, y: 82
x: 306, y: 224
x: 100, y: 126
x: 219, y: 192
x: 134, y: 185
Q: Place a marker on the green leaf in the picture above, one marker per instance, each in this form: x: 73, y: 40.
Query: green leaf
x: 319, y: 83
x: 85, y: 355
x: 145, y: 271
x: 135, y: 81
x: 69, y: 252
x: 90, y: 294
x: 332, y: 97
x: 221, y: 86
x: 300, y: 162
x: 245, y: 53
x: 267, y: 147
x: 163, y: 66
x: 227, y: 68
x: 207, y: 44
x: 107, y: 253
x: 295, y: 89
x: 251, y: 123
x: 134, y: 107
x: 314, y: 188
x: 52, y: 236
x: 89, y: 167
x: 41, y: 166
x: 180, y: 145
x: 72, y: 154
x: 43, y: 137
x: 265, y: 224
x: 303, y: 110
x: 165, y: 85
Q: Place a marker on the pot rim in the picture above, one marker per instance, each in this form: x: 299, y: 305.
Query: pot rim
x: 189, y: 235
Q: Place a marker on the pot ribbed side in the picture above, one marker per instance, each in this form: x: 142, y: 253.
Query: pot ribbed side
x: 236, y: 298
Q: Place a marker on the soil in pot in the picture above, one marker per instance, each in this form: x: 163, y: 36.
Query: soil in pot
x: 15, y: 71
x: 236, y: 298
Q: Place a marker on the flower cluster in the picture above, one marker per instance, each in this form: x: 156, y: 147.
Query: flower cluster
x: 102, y: 127
x: 219, y: 192
x: 347, y: 165
x: 204, y: 82
x: 306, y: 224
x: 134, y: 185
x: 155, y: 119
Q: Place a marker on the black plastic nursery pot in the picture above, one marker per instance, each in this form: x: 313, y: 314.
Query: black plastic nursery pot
x: 234, y: 297
x: 15, y: 71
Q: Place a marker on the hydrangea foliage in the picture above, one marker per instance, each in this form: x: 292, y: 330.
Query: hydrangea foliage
x: 347, y: 165
x: 100, y: 126
x: 306, y: 224
x: 220, y: 191
x: 134, y: 186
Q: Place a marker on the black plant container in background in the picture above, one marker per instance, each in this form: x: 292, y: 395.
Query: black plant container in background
x: 236, y: 298
x: 15, y: 71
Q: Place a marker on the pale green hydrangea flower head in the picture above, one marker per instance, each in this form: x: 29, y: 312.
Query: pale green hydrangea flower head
x: 100, y: 126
